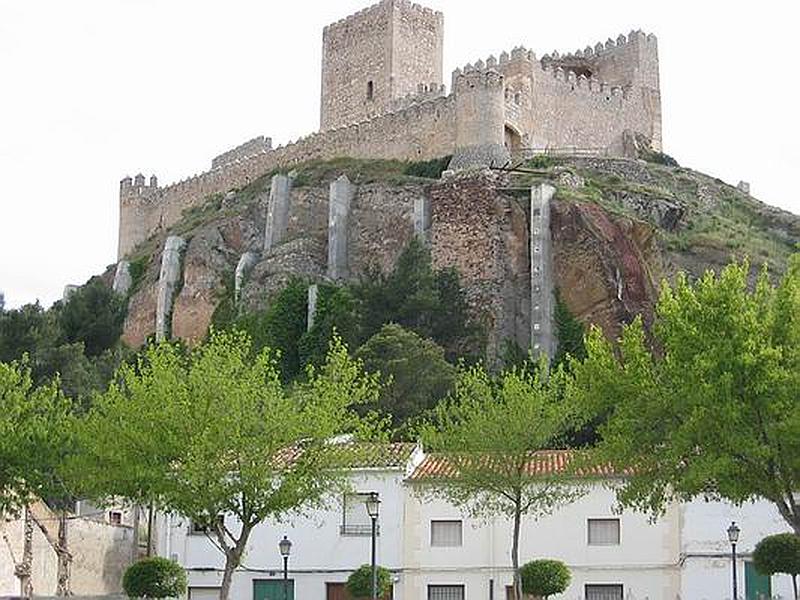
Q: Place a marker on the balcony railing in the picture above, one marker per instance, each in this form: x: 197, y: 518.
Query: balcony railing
x: 358, y: 529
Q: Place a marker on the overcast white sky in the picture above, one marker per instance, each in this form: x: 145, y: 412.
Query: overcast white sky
x: 92, y: 90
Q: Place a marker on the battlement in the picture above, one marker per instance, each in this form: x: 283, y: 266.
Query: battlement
x: 136, y: 188
x: 425, y: 92
x: 379, y: 8
x: 255, y: 146
x: 582, y: 83
x: 600, y: 48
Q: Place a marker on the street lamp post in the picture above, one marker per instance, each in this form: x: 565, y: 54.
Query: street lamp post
x: 285, y: 546
x: 373, y: 505
x: 733, y: 537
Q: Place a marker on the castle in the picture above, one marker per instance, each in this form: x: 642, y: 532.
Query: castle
x: 383, y: 96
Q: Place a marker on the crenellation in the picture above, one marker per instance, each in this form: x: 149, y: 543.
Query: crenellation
x: 383, y: 97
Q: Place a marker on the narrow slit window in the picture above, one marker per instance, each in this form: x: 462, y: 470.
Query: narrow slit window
x: 370, y: 90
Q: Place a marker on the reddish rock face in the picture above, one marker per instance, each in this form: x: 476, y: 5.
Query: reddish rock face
x: 606, y: 267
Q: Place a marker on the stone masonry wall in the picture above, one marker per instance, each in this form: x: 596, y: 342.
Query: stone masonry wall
x: 355, y: 52
x: 417, y: 48
x: 484, y: 235
x: 101, y: 553
x: 375, y: 56
x: 249, y: 148
x: 420, y: 132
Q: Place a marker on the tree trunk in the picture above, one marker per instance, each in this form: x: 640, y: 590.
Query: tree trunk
x: 135, y: 547
x: 150, y: 524
x: 515, y: 554
x: 233, y: 558
x: 794, y: 584
x: 25, y: 567
x: 64, y: 557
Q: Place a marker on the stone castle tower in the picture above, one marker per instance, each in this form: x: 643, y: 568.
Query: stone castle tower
x: 377, y: 56
x: 383, y: 97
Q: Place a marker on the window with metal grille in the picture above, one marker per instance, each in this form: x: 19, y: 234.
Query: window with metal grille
x: 355, y: 519
x: 603, y: 532
x: 604, y: 591
x: 198, y: 528
x: 446, y: 533
x: 445, y: 592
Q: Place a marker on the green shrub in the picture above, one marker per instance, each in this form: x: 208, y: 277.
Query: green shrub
x: 779, y: 554
x: 359, y: 584
x: 432, y: 169
x: 544, y: 577
x: 660, y: 158
x: 154, y: 577
x: 540, y: 161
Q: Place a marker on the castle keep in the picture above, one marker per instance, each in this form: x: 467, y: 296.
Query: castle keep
x: 383, y: 96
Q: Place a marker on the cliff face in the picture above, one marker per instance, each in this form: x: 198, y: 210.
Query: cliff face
x: 618, y: 227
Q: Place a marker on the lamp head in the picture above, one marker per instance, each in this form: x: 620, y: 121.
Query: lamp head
x: 733, y: 533
x: 373, y: 504
x: 285, y: 546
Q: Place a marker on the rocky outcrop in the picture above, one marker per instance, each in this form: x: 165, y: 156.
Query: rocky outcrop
x: 606, y: 268
x: 617, y: 226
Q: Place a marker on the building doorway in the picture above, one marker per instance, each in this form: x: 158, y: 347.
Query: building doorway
x: 756, y: 585
x: 271, y: 589
x: 513, y: 140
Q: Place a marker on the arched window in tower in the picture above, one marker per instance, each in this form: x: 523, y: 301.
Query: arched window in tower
x: 370, y: 90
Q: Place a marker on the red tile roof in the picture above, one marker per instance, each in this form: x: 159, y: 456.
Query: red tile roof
x: 360, y: 455
x: 541, y: 463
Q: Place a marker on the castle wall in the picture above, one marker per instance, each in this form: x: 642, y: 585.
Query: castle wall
x: 420, y: 132
x: 249, y: 148
x: 576, y: 112
x: 630, y: 62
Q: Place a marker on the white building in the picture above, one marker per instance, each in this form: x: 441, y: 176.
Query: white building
x: 438, y: 553
x: 326, y: 546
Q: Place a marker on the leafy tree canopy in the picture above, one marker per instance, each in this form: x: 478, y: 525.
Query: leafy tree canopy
x: 213, y: 431
x: 716, y: 410
x: 154, y: 577
x: 55, y: 340
x: 779, y: 553
x: 36, y: 433
x: 545, y: 577
x: 490, y: 430
x: 359, y: 584
x: 93, y: 314
x: 413, y: 369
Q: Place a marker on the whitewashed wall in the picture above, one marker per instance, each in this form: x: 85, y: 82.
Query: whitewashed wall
x: 706, y: 572
x: 645, y: 561
x: 319, y: 554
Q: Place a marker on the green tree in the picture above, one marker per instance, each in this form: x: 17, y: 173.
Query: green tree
x: 36, y: 333
x: 715, y: 411
x: 36, y: 437
x: 336, y: 315
x: 544, y: 577
x: 779, y: 553
x: 429, y: 302
x: 359, y: 583
x: 93, y: 314
x: 213, y: 432
x: 414, y: 372
x: 26, y: 329
x: 280, y: 326
x: 35, y: 431
x: 154, y: 577
x: 490, y: 431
